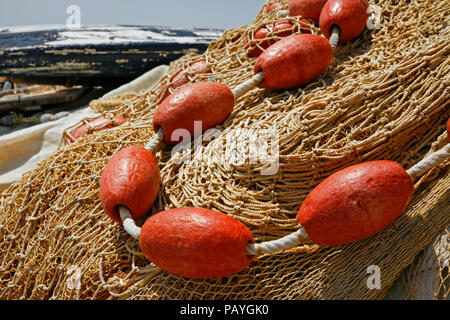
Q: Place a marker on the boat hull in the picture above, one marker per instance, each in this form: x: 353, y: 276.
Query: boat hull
x: 107, y: 56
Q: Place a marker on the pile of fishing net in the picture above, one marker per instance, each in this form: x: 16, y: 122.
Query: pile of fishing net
x: 385, y: 96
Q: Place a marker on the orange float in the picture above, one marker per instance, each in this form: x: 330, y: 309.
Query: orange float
x: 208, y: 102
x: 280, y: 29
x: 349, y: 15
x: 95, y: 125
x: 356, y: 202
x: 308, y: 9
x: 131, y: 178
x: 196, y: 243
x: 294, y: 61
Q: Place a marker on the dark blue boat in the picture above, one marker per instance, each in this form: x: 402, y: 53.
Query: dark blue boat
x: 94, y: 55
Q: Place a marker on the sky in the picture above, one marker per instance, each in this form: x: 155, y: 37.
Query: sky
x: 221, y: 14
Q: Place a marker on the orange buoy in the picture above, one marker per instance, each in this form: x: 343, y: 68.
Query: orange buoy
x: 349, y: 15
x: 271, y: 7
x: 294, y: 61
x: 196, y: 243
x: 285, y: 28
x: 180, y: 78
x: 261, y: 33
x: 208, y: 102
x: 198, y: 67
x: 97, y: 124
x: 308, y: 9
x: 356, y: 202
x: 131, y: 178
x: 281, y: 29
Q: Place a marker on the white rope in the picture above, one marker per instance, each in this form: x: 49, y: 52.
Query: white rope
x: 288, y: 242
x: 223, y: 62
x: 282, y: 13
x: 429, y: 162
x: 334, y: 38
x: 155, y: 141
x: 128, y: 223
x: 253, y: 249
x: 248, y: 85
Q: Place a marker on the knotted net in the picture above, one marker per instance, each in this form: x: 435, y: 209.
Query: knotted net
x: 385, y: 96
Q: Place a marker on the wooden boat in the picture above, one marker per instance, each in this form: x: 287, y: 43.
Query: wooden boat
x: 22, y: 99
x: 94, y: 55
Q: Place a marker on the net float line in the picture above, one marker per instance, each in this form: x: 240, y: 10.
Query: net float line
x: 201, y: 243
x: 332, y: 17
x: 308, y: 9
x: 259, y: 77
x: 301, y: 236
x: 155, y: 141
x: 129, y: 224
x: 429, y: 162
x: 334, y: 37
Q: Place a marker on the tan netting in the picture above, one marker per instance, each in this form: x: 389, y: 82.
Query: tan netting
x: 385, y: 96
x: 427, y: 277
x: 104, y: 104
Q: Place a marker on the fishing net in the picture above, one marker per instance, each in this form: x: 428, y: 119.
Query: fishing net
x: 427, y: 277
x: 104, y: 104
x: 385, y: 96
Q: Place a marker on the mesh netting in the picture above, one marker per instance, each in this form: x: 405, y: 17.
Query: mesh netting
x: 104, y: 104
x: 385, y: 96
x: 427, y: 277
